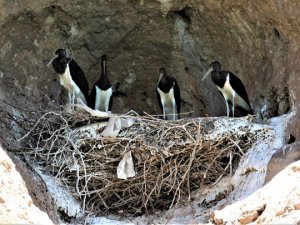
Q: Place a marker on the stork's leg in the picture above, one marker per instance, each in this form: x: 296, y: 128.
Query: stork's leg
x: 70, y: 98
x: 174, y: 113
x: 164, y: 112
x: 233, y: 97
x: 73, y: 99
x: 69, y: 104
x: 227, y: 107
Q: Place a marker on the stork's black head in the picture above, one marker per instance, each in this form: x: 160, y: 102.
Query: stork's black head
x: 60, y: 61
x: 61, y: 53
x: 215, y: 65
x: 162, y: 71
x: 162, y: 76
x: 103, y: 58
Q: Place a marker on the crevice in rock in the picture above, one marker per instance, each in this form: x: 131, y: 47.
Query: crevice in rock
x: 251, y: 216
x: 276, y: 32
x: 276, y: 103
x: 291, y: 139
x: 184, y: 14
x: 195, y: 65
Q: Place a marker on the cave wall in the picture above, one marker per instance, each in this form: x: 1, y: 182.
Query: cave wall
x: 257, y: 40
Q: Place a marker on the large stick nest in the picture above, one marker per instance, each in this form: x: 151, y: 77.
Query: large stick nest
x: 171, y: 159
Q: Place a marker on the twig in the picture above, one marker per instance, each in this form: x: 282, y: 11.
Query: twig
x: 171, y: 159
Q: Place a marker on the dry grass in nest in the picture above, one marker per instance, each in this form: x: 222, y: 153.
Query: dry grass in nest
x: 171, y: 159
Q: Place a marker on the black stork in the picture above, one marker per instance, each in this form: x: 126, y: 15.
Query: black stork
x: 168, y: 95
x: 101, y: 97
x: 231, y: 87
x: 71, y: 76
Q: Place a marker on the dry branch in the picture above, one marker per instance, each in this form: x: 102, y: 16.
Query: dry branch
x: 171, y: 159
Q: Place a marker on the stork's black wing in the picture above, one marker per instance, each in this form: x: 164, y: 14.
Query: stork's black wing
x: 92, y: 98
x: 177, y: 96
x: 110, y: 103
x: 79, y: 78
x: 158, y: 99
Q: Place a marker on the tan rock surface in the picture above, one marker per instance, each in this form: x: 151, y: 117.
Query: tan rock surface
x: 275, y: 203
x: 16, y: 206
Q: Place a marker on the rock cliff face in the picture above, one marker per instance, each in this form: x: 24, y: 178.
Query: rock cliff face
x: 257, y: 40
x: 16, y: 206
